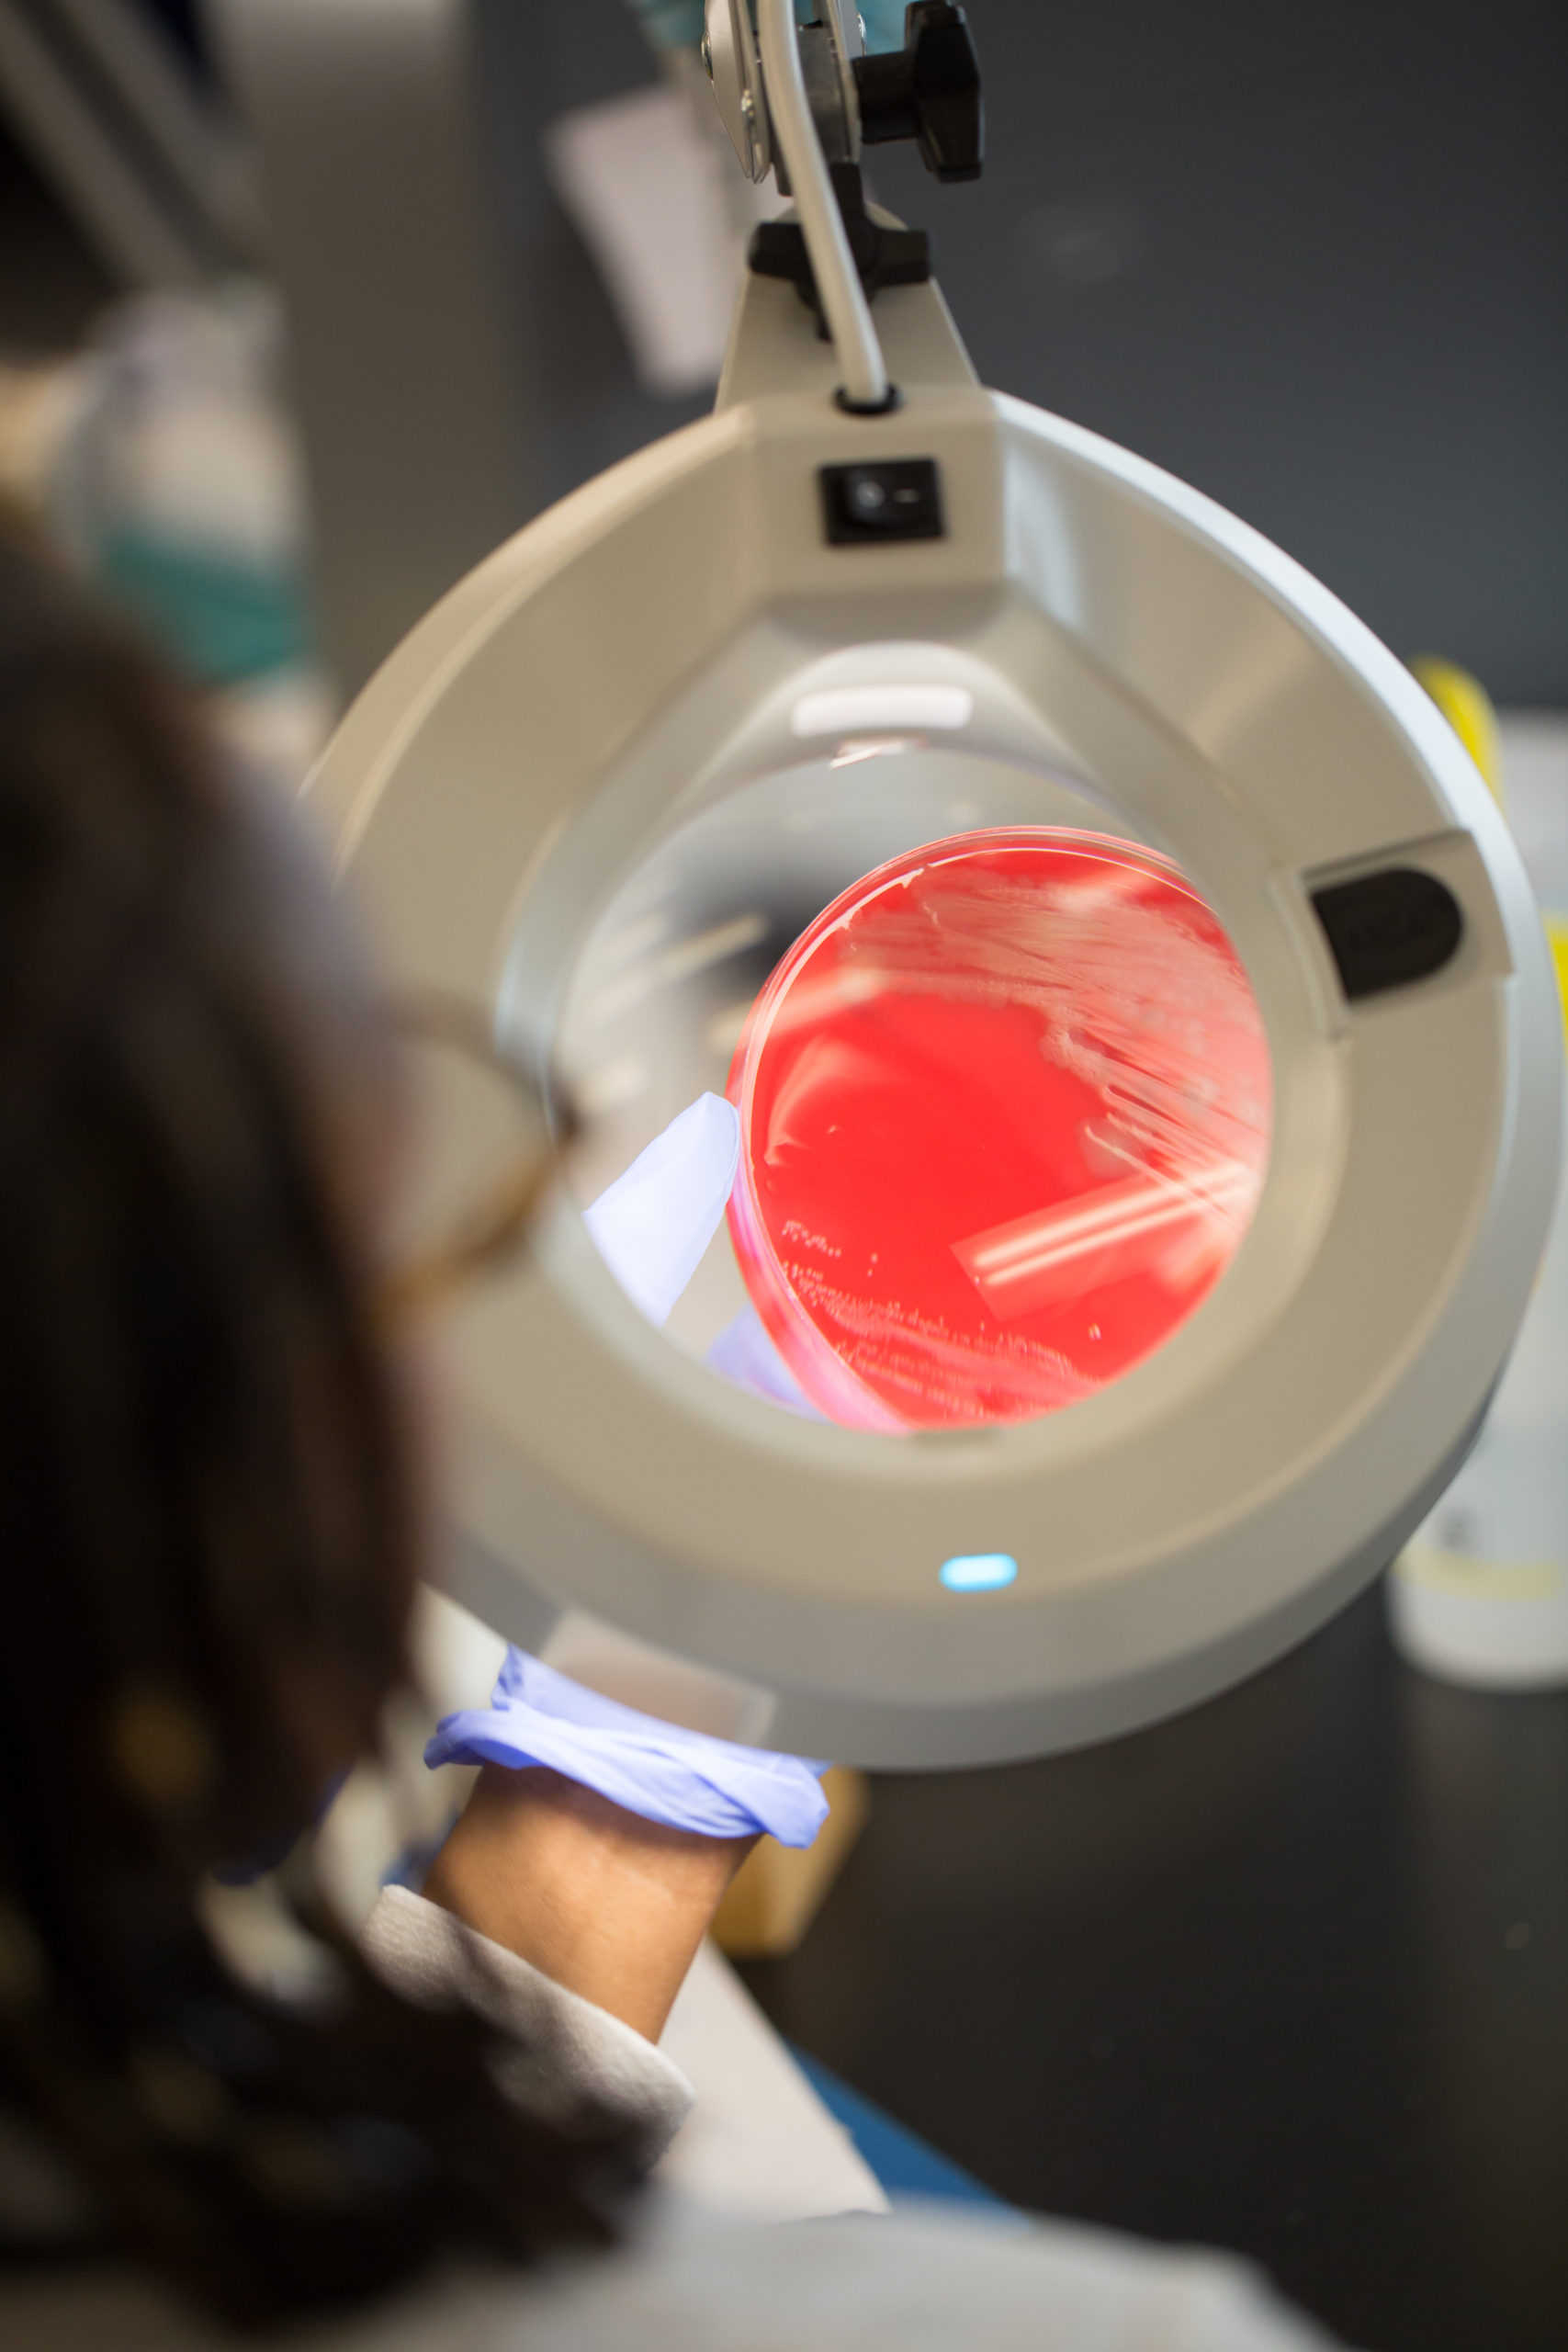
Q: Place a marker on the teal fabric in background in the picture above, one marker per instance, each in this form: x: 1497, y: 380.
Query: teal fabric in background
x: 670, y: 23
x: 221, y: 621
x: 674, y: 24
x: 884, y: 22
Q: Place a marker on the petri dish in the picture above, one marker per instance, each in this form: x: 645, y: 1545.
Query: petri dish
x: 1004, y: 1111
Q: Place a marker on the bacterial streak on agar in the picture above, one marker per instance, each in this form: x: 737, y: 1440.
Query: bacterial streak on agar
x: 1020, y: 1079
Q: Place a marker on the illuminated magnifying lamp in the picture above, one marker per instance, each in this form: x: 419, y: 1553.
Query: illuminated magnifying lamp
x: 615, y: 779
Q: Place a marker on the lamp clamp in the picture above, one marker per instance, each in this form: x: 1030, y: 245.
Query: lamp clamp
x: 929, y: 91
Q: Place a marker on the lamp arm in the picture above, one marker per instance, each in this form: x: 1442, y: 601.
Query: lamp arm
x: 844, y: 305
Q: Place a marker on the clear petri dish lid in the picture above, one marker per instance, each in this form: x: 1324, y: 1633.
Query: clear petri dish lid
x: 1005, y: 1111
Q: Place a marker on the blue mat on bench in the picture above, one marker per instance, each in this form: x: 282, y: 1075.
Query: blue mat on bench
x: 904, y: 2164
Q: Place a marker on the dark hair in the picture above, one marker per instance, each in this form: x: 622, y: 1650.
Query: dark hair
x: 210, y: 1539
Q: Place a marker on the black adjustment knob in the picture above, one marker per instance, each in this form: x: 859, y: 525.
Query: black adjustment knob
x: 929, y: 90
x: 883, y: 256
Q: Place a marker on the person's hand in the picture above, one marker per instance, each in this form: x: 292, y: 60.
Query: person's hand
x: 599, y: 1841
x: 683, y: 1780
x: 653, y: 1228
x: 607, y: 1904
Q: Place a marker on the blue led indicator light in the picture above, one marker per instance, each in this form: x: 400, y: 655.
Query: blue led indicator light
x: 980, y: 1572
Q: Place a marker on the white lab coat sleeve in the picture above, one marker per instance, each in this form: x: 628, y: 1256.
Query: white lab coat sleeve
x: 922, y: 2281
x: 569, y: 2062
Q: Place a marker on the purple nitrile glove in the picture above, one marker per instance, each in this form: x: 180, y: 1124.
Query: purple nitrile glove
x: 653, y: 1228
x: 683, y: 1779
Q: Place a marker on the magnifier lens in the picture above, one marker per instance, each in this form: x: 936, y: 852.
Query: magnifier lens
x: 475, y: 1155
x: 1005, y: 1111
x: 1001, y: 1085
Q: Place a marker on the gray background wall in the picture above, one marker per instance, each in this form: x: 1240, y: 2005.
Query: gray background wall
x: 1310, y: 254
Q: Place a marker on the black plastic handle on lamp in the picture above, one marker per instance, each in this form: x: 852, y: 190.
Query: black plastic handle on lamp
x: 927, y: 90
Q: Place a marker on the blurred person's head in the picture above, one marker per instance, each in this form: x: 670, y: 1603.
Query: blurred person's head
x: 208, y: 1531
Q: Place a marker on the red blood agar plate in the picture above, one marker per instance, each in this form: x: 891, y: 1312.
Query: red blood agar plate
x: 1005, y: 1118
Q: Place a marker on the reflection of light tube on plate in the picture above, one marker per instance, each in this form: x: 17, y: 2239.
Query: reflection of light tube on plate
x: 1143, y: 1225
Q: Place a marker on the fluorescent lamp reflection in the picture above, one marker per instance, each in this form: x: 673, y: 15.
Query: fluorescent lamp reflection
x: 1148, y: 1224
x: 882, y: 710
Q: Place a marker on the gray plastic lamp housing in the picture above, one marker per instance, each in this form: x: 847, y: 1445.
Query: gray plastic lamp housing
x: 642, y: 653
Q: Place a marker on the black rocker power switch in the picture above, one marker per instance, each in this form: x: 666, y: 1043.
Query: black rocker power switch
x: 864, y: 506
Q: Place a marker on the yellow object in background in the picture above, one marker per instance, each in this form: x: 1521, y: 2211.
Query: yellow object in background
x: 1557, y: 935
x: 1479, y: 1594
x: 778, y: 1890
x: 1466, y: 705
